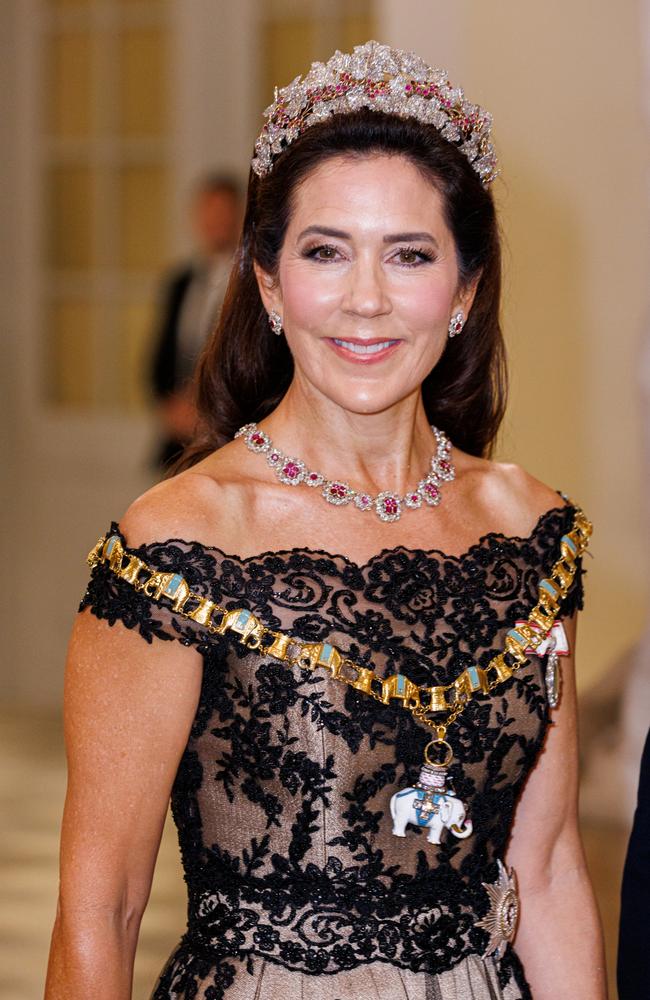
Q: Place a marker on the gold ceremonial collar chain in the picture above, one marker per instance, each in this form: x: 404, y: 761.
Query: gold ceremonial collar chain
x: 435, y: 707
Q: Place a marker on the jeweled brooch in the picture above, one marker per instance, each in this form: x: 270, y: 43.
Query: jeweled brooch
x: 501, y: 920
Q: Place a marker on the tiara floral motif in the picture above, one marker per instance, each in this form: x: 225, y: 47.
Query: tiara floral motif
x: 380, y: 78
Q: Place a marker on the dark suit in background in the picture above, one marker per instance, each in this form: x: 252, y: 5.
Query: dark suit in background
x: 633, y: 966
x: 165, y: 373
x: 191, y: 299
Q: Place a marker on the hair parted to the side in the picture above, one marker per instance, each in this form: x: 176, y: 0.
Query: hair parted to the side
x: 244, y: 371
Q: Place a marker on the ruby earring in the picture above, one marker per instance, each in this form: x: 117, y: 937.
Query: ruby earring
x: 456, y: 324
x: 275, y: 322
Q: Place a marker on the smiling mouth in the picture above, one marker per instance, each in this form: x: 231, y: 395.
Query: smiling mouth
x: 364, y: 349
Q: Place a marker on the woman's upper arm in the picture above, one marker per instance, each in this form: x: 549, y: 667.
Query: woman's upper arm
x: 545, y: 840
x: 128, y: 709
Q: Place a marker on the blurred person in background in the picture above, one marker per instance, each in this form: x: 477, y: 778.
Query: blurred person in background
x: 190, y: 300
x: 351, y: 693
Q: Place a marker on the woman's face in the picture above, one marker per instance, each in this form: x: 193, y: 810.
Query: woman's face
x: 367, y: 281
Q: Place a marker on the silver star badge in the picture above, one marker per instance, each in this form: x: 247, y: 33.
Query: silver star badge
x: 501, y: 920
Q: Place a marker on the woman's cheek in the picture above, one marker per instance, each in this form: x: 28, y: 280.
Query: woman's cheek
x: 307, y: 296
x: 424, y: 305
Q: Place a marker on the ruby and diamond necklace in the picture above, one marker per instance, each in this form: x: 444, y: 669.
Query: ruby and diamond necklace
x: 386, y: 505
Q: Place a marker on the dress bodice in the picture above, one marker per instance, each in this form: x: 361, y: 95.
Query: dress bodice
x: 282, y: 793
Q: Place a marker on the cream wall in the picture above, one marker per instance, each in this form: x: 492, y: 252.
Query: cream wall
x: 564, y: 83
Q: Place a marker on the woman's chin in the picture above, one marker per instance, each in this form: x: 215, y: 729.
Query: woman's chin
x: 365, y: 403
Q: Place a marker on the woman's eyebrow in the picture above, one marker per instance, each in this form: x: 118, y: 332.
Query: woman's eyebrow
x: 339, y: 234
x: 410, y: 237
x: 324, y: 231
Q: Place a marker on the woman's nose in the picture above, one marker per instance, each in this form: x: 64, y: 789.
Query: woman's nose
x: 366, y: 293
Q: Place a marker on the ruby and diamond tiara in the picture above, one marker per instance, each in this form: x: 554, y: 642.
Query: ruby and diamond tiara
x: 380, y: 78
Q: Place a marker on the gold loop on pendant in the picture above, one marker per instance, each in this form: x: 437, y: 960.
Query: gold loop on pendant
x: 435, y: 763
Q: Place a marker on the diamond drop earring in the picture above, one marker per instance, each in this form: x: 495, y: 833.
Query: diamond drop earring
x: 456, y: 324
x: 275, y: 322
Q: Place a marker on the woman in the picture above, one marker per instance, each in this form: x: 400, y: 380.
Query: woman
x: 371, y: 798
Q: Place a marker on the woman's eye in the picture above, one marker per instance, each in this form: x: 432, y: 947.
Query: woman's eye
x: 410, y: 256
x: 323, y: 252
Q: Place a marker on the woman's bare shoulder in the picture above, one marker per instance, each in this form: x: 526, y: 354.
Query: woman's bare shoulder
x: 521, y: 491
x: 199, y: 504
x: 507, y: 493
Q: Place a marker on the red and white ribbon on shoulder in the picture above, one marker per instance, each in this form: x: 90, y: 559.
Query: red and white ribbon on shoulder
x: 560, y: 646
x: 555, y: 644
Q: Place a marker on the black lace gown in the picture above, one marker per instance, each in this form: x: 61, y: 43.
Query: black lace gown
x: 296, y: 884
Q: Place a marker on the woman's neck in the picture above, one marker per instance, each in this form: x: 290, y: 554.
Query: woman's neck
x: 390, y: 450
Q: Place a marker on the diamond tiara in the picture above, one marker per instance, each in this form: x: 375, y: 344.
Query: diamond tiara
x: 380, y: 78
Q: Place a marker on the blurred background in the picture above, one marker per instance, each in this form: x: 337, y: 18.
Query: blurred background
x: 127, y: 127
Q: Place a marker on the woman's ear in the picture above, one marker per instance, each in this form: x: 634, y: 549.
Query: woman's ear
x: 269, y: 289
x: 465, y: 296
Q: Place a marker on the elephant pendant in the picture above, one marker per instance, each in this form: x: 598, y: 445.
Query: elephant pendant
x: 430, y: 804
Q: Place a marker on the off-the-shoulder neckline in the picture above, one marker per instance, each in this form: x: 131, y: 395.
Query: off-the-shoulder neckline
x: 257, y: 557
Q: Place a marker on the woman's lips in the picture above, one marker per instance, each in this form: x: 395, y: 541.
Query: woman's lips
x: 363, y: 352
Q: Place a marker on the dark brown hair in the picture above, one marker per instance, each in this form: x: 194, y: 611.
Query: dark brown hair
x: 245, y: 371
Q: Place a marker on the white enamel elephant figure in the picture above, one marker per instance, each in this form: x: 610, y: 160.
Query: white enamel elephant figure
x: 450, y: 813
